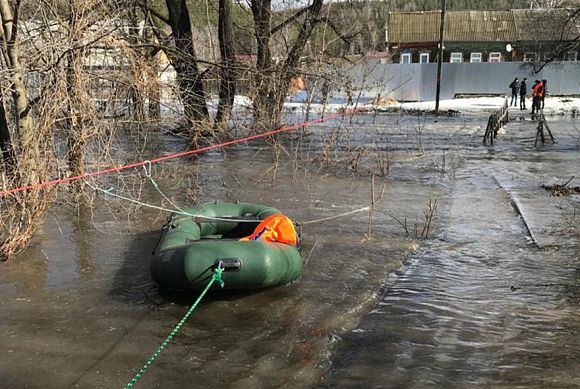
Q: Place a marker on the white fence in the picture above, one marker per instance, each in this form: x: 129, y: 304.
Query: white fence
x: 416, y: 82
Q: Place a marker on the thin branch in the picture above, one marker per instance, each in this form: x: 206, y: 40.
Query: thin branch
x: 77, y: 47
x: 290, y: 20
x: 15, y: 20
x: 146, y: 8
x: 333, y: 27
x: 567, y: 46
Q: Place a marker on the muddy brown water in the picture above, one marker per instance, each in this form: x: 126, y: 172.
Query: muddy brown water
x: 490, y: 299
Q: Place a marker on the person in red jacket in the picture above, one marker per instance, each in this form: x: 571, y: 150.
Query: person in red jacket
x: 537, y: 94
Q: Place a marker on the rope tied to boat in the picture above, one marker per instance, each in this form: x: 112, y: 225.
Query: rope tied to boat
x: 118, y: 168
x: 324, y: 219
x: 216, y: 277
x: 179, y: 211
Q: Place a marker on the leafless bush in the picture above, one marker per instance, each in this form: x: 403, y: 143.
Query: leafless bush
x: 428, y: 214
x: 21, y: 212
x: 423, y: 228
x: 383, y: 159
x: 418, y: 128
x: 355, y: 157
x: 64, y: 111
x: 328, y: 150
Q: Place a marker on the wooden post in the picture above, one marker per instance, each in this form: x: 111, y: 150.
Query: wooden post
x: 369, y: 232
x: 548, y: 128
x: 440, y: 56
x: 540, y: 132
x: 489, y: 130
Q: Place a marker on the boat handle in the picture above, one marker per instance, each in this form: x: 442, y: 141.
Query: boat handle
x: 228, y: 264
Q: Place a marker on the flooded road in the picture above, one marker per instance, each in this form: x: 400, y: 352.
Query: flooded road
x: 491, y: 299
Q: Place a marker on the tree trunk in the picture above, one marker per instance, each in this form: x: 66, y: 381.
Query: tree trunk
x: 8, y: 157
x: 21, y: 212
x: 136, y: 100
x: 152, y: 73
x: 293, y: 59
x: 227, y: 89
x: 76, y: 138
x: 25, y: 133
x: 190, y: 80
x: 264, y: 79
x: 271, y: 83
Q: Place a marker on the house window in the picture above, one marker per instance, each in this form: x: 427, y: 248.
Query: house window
x: 494, y: 57
x: 549, y: 57
x: 530, y: 57
x: 475, y: 57
x: 571, y: 56
x: 406, y: 58
x: 424, y: 58
x: 456, y: 58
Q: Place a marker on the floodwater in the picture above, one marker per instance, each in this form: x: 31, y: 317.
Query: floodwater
x: 493, y: 300
x: 489, y: 298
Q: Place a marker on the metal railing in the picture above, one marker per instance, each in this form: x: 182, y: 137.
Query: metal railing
x: 495, y: 122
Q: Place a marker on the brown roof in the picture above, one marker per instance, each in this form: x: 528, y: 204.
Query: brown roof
x: 480, y: 26
x: 410, y: 27
x: 531, y: 24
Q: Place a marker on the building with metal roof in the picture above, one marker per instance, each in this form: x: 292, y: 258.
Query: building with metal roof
x: 484, y: 36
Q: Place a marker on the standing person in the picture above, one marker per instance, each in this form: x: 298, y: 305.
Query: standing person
x: 325, y: 91
x: 537, y: 94
x: 514, y: 87
x: 523, y: 91
x: 545, y: 86
x: 349, y: 92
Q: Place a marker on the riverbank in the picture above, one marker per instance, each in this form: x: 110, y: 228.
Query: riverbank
x: 562, y: 106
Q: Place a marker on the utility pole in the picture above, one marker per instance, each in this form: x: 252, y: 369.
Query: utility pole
x: 440, y: 56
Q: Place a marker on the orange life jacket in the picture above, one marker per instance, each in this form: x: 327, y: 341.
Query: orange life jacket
x: 275, y: 228
x: 538, y: 89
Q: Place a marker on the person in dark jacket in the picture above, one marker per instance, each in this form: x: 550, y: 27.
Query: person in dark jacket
x: 544, y: 82
x: 514, y: 87
x: 523, y: 91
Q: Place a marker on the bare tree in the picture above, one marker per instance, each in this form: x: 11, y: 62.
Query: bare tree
x: 272, y: 81
x: 49, y: 91
x: 542, y: 4
x: 76, y: 131
x: 557, y: 32
x: 227, y: 89
x: 9, y: 16
x: 8, y: 157
x: 184, y: 60
x: 21, y: 211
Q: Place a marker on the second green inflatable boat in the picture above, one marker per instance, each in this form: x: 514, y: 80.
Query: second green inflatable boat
x: 192, y: 245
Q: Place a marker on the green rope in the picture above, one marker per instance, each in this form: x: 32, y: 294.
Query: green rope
x: 217, y: 276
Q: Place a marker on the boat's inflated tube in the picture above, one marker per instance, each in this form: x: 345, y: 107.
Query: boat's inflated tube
x: 191, y: 246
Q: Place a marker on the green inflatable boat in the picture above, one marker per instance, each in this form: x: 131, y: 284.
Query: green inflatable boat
x: 191, y: 246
